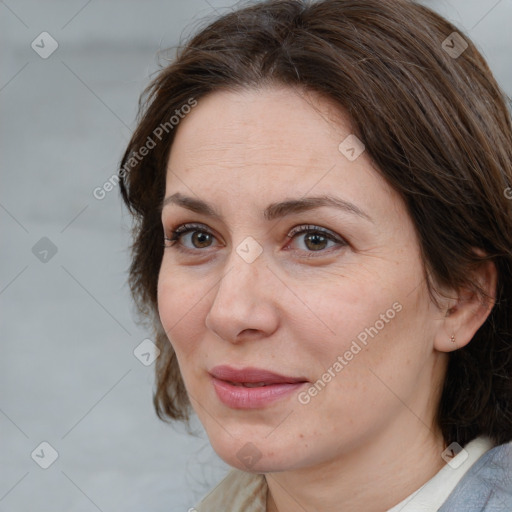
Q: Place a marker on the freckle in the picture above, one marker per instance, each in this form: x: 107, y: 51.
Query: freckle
x: 301, y: 435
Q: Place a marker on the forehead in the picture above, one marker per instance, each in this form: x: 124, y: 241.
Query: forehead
x: 254, y: 126
x: 274, y: 141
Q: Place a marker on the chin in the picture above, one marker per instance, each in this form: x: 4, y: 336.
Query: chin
x: 256, y: 454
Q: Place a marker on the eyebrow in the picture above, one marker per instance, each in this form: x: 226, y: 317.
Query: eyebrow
x: 274, y: 210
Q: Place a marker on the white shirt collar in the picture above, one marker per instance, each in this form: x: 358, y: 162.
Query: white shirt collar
x: 431, y: 496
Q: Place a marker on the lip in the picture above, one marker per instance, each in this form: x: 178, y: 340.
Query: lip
x: 252, y: 375
x: 225, y: 378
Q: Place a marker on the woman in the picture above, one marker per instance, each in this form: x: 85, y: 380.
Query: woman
x: 323, y: 243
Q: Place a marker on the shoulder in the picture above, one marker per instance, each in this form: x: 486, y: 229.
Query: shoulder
x: 487, y: 486
x: 239, y: 491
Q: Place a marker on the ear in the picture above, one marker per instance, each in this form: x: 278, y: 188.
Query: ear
x: 468, y: 312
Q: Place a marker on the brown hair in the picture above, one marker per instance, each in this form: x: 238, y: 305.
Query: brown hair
x: 436, y: 125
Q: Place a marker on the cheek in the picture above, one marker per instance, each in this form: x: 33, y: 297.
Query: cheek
x: 336, y: 312
x: 179, y: 307
x: 367, y: 321
x: 380, y: 345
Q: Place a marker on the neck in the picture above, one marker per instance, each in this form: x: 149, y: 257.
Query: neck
x: 373, y: 477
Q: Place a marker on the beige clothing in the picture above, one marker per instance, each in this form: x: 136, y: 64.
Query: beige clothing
x: 239, y: 491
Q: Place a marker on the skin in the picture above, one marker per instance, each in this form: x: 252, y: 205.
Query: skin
x: 368, y: 439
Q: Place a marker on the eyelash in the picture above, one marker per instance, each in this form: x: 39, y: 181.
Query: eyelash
x: 183, y: 229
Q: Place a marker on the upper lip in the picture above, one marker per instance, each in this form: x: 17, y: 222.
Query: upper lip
x: 251, y: 375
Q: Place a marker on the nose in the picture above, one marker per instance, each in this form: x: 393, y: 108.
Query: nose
x: 245, y: 301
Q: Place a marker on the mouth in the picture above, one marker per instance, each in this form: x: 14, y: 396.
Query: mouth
x: 252, y: 377
x: 249, y: 384
x: 252, y: 388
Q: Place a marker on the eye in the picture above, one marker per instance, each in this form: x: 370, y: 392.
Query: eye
x: 196, y: 234
x: 316, y: 239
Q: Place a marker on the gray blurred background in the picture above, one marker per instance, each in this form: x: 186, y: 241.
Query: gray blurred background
x: 69, y: 376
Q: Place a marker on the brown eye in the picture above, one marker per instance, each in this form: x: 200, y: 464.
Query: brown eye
x: 315, y: 242
x: 201, y: 239
x: 190, y: 237
x: 315, y: 239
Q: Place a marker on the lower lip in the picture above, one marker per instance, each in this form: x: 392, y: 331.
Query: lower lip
x: 240, y: 397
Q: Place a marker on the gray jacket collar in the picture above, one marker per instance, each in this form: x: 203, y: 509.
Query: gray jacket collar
x: 487, y: 486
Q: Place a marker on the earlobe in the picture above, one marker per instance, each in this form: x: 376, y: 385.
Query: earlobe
x: 463, y: 319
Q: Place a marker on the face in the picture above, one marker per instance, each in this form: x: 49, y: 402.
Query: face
x: 328, y: 295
